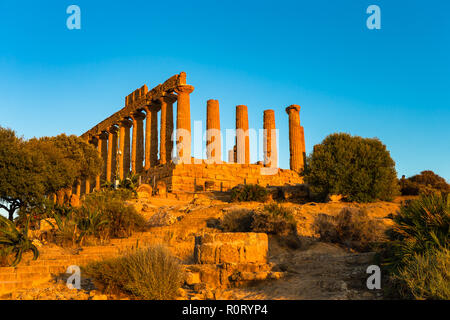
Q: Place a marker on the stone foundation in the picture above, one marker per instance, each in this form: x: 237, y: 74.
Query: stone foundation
x: 215, y: 177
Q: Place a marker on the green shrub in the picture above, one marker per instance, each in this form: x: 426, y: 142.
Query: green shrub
x: 15, y: 242
x: 92, y: 224
x: 122, y: 219
x: 65, y: 231
x: 103, y: 215
x: 149, y: 274
x: 237, y: 221
x: 422, y: 225
x: 351, y: 227
x: 249, y: 192
x: 427, y: 182
x: 417, y: 257
x: 426, y: 276
x: 360, y: 169
x: 274, y: 219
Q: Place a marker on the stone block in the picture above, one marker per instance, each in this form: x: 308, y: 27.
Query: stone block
x: 231, y: 248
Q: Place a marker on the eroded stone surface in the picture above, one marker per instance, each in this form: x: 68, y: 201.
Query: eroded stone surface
x: 239, y: 247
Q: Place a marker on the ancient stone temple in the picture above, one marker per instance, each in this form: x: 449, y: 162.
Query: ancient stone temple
x: 133, y: 141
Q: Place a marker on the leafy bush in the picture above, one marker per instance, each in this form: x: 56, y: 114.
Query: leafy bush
x: 351, y: 227
x: 149, y: 274
x: 427, y: 275
x: 15, y: 242
x: 237, y: 221
x: 130, y: 182
x: 249, y: 192
x: 103, y: 215
x: 122, y: 219
x: 360, y: 169
x: 274, y: 219
x: 426, y: 182
x: 92, y: 224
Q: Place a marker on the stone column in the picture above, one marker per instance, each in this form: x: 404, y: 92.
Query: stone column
x: 242, y: 136
x: 184, y: 123
x: 151, y: 136
x: 87, y: 189
x: 213, y: 135
x: 166, y: 143
x: 137, y: 146
x: 111, y: 157
x: 296, y: 141
x: 124, y: 148
x: 102, y: 148
x: 270, y: 140
x: 78, y: 188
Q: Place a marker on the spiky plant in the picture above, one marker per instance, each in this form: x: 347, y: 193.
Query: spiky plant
x: 65, y: 225
x: 422, y: 225
x: 130, y: 182
x: 90, y: 223
x: 16, y: 240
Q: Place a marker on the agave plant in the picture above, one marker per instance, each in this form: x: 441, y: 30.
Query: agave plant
x: 90, y: 224
x: 66, y: 226
x: 16, y: 240
x: 130, y: 182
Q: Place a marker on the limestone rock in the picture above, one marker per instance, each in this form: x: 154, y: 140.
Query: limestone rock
x: 74, y: 201
x: 238, y: 247
x: 334, y: 197
x: 144, y: 191
x: 192, y: 278
x: 162, y: 218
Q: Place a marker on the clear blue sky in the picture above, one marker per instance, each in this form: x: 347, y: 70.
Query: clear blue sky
x: 392, y: 83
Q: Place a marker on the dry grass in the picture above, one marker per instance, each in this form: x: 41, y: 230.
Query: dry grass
x: 149, y: 274
x: 351, y: 227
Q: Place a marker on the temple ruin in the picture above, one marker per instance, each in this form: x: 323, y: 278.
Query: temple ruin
x: 131, y: 141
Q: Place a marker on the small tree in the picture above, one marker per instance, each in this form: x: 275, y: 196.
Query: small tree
x: 359, y: 168
x: 30, y: 170
x: 57, y: 170
x: 21, y: 182
x: 85, y: 159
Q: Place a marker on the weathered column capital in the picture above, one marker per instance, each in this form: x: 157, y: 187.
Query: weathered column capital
x: 126, y: 123
x: 155, y: 105
x: 112, y: 129
x: 137, y: 116
x: 103, y: 136
x: 184, y: 88
x: 293, y: 107
x: 168, y: 98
